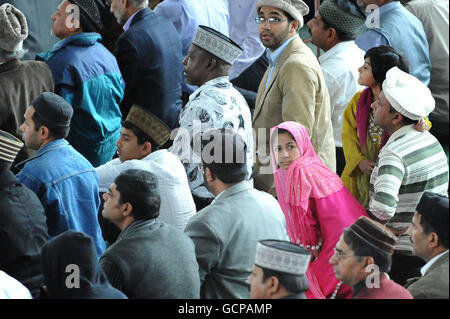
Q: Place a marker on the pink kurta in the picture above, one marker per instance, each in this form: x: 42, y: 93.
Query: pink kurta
x: 332, y: 214
x: 317, y: 207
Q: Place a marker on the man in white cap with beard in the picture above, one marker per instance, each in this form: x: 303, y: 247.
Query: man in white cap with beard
x: 410, y: 163
x: 292, y: 89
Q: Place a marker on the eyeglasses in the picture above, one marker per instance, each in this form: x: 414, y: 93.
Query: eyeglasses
x: 340, y: 254
x: 271, y: 20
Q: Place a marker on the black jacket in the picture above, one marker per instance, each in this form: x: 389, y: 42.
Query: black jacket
x: 23, y: 232
x: 71, y: 270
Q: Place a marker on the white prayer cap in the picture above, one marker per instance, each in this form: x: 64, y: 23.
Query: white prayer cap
x: 282, y: 256
x: 217, y: 44
x: 407, y: 94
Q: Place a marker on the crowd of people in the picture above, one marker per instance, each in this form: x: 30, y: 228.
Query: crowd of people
x: 200, y: 149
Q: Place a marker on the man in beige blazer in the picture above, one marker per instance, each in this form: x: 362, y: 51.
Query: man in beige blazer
x: 292, y: 89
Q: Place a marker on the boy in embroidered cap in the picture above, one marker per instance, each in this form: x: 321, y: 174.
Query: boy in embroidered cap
x: 409, y: 164
x: 429, y: 235
x: 361, y: 258
x: 216, y: 104
x: 279, y: 271
x: 140, y: 146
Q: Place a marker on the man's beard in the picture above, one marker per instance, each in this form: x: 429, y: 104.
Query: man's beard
x: 276, y: 41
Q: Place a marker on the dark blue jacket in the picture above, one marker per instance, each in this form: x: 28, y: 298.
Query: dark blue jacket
x: 23, y: 232
x: 150, y: 58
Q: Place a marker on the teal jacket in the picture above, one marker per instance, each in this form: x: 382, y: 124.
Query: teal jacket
x: 87, y: 75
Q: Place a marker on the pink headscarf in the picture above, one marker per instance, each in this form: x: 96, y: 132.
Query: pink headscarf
x: 307, y: 177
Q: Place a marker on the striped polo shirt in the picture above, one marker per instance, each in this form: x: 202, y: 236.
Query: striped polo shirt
x: 410, y: 163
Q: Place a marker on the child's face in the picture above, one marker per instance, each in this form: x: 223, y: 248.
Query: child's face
x: 285, y: 150
x: 365, y: 74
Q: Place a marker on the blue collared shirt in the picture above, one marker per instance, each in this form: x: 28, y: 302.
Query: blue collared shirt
x: 127, y: 25
x: 371, y: 38
x: 187, y: 15
x: 275, y: 56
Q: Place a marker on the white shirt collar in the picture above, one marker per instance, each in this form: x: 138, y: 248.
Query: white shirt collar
x: 427, y: 266
x: 338, y: 48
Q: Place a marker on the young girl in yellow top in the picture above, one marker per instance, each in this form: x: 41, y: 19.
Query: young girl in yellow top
x: 361, y: 138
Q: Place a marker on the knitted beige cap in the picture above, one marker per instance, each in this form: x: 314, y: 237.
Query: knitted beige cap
x: 13, y: 28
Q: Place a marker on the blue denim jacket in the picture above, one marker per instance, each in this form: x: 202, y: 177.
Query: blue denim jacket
x: 67, y: 185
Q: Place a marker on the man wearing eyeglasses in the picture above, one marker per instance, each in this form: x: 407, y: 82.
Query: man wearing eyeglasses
x: 363, y: 256
x: 292, y: 89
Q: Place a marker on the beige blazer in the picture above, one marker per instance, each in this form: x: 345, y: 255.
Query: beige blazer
x: 296, y: 92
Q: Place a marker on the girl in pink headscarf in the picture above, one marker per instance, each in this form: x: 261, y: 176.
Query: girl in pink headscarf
x: 316, y: 204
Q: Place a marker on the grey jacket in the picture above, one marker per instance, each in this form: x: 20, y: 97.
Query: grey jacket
x: 152, y: 260
x: 434, y: 284
x: 225, y: 235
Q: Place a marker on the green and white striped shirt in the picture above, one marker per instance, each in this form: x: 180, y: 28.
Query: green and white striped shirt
x: 410, y: 163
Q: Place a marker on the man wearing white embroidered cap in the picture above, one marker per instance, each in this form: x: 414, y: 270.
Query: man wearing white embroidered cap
x: 410, y: 163
x: 216, y: 104
x: 279, y: 271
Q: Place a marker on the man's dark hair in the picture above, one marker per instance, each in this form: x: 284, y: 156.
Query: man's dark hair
x: 405, y: 120
x: 217, y: 146
x: 56, y: 131
x: 428, y: 228
x: 292, y: 283
x: 382, y: 59
x: 142, y: 137
x: 140, y: 189
x: 363, y: 249
x: 342, y: 36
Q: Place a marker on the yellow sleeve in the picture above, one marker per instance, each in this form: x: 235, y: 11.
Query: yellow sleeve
x: 428, y: 122
x: 350, y: 140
